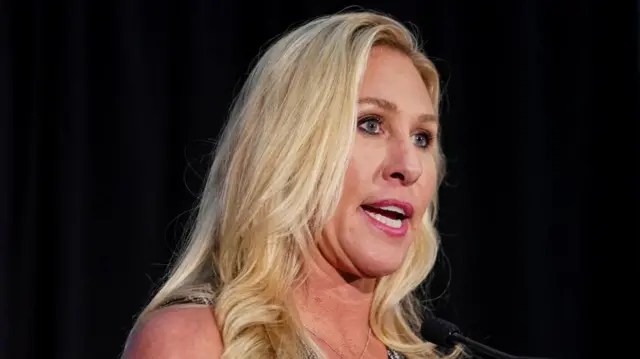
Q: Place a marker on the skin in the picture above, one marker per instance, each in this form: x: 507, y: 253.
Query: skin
x: 389, y: 160
x: 394, y: 158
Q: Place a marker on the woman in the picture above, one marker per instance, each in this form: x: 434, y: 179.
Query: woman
x: 317, y: 219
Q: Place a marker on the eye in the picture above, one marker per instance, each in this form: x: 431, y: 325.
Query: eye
x: 370, y: 124
x: 423, y: 139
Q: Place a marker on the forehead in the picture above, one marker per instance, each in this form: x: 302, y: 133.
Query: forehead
x: 392, y: 76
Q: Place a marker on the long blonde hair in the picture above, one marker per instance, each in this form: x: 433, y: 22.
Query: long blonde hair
x: 275, y: 181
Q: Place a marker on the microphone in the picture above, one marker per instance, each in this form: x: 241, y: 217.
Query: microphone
x: 442, y: 333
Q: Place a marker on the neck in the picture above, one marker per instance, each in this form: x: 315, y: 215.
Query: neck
x: 334, y: 301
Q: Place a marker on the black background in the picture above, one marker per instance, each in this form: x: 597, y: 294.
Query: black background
x: 109, y: 110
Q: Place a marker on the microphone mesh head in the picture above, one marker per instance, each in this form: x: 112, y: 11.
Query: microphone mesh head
x: 438, y: 331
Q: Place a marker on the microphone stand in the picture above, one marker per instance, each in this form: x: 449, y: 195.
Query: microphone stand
x: 484, y: 349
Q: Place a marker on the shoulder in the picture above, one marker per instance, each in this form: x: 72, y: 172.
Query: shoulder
x: 181, y: 331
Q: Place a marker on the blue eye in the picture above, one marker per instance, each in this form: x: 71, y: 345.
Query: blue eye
x: 423, y: 139
x: 370, y: 124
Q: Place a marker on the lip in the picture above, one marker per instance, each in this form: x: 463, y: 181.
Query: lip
x: 406, y: 207
x: 389, y: 231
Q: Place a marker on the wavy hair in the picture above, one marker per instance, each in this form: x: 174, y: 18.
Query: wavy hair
x: 275, y: 181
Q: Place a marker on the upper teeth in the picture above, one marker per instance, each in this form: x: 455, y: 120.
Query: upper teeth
x: 393, y: 209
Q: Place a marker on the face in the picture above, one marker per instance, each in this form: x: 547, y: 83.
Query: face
x: 391, y: 177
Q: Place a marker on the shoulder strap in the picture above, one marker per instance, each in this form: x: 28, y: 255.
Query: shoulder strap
x: 392, y: 354
x: 184, y: 300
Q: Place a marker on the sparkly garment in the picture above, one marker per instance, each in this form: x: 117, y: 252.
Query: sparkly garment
x: 391, y: 354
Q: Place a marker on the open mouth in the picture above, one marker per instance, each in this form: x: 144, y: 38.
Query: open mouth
x: 391, y: 216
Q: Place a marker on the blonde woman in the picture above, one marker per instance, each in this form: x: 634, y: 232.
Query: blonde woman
x: 317, y: 219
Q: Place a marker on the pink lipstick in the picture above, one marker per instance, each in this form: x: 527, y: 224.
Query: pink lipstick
x: 389, y: 215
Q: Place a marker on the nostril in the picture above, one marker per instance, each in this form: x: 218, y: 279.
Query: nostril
x: 397, y: 175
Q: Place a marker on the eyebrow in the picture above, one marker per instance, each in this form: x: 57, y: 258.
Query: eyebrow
x: 392, y: 107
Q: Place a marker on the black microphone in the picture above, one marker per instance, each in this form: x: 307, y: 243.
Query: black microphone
x: 442, y: 333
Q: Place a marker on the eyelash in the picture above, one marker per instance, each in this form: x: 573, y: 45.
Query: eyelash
x: 372, y: 118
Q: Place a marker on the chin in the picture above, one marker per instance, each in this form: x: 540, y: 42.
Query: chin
x: 374, y: 267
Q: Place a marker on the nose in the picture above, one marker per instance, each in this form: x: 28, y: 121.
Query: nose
x: 403, y: 162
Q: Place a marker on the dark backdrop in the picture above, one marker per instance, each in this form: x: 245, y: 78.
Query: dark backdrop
x: 109, y: 110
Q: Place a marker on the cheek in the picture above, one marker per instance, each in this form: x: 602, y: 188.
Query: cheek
x: 352, y: 193
x: 351, y: 180
x: 426, y: 187
x: 357, y: 181
x: 365, y: 159
x: 430, y: 179
x: 358, y: 176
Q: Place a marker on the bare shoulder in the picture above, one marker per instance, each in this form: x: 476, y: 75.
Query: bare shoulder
x: 181, y: 331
